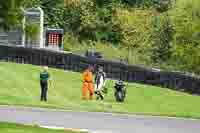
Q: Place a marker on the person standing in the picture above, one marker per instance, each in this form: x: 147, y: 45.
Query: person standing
x: 88, y: 83
x: 100, y: 81
x: 44, y: 77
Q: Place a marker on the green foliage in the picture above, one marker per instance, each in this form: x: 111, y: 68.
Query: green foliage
x: 70, y: 42
x: 107, y: 29
x: 54, y: 13
x: 31, y: 3
x: 133, y: 36
x: 32, y: 31
x: 89, y: 20
x: 187, y: 58
x: 80, y: 18
x: 136, y: 3
x: 187, y: 38
x: 102, y: 3
x: 132, y: 2
x: 10, y: 13
x: 162, y: 5
x: 72, y: 15
x: 162, y: 38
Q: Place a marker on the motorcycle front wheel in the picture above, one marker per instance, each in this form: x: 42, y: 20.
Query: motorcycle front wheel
x: 119, y: 96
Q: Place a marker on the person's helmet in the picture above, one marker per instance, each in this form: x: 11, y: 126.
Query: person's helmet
x: 45, y: 68
x: 90, y: 68
x: 100, y: 69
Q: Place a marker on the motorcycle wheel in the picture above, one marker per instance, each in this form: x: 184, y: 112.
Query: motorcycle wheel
x: 119, y: 97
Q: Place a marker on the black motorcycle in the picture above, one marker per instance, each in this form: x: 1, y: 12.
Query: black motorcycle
x: 120, y: 91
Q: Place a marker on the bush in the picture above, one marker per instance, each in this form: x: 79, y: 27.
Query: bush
x: 32, y: 31
x: 187, y: 38
x: 70, y: 41
x: 162, y: 38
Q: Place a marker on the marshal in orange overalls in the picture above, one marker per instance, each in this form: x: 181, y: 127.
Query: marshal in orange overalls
x: 87, y: 84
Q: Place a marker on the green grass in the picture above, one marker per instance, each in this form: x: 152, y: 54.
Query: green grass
x: 19, y: 85
x: 17, y: 128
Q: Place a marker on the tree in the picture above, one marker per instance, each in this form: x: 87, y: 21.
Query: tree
x: 11, y: 12
x: 133, y: 27
x: 162, y: 37
x: 80, y: 19
x: 186, y: 18
x: 162, y: 5
x: 72, y: 16
x: 138, y: 3
x: 54, y: 13
x: 90, y: 20
x: 31, y: 31
x: 102, y: 3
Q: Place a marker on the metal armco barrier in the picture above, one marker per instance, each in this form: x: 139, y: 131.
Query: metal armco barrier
x: 114, y: 70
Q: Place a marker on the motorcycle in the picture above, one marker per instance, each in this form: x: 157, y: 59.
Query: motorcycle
x: 120, y: 91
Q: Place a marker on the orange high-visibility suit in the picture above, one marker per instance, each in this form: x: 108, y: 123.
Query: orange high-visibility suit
x: 87, y: 84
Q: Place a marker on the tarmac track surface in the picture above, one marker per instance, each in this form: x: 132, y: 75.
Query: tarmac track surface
x: 98, y: 122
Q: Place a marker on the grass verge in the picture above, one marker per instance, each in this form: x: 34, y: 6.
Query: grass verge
x: 17, y: 128
x: 19, y: 85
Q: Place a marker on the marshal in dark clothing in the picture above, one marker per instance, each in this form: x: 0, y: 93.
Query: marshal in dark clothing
x: 44, y: 76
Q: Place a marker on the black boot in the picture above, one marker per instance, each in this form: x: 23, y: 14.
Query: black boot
x: 100, y: 95
x: 97, y: 97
